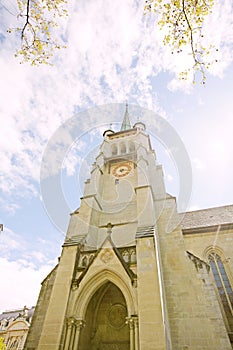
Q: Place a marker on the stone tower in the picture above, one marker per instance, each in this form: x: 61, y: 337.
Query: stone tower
x: 125, y: 280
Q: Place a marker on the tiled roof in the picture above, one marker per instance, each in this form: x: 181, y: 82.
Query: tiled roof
x: 7, y: 315
x: 207, y: 217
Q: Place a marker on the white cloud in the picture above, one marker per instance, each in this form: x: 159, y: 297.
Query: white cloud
x: 198, y: 164
x: 15, y: 246
x: 10, y: 241
x: 20, y: 283
x: 9, y: 208
x: 22, y: 269
x: 73, y: 158
x: 113, y: 51
x: 177, y: 84
x: 39, y: 256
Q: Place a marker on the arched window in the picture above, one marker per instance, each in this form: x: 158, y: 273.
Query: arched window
x: 84, y: 261
x: 222, y: 282
x: 224, y: 290
x: 13, y: 344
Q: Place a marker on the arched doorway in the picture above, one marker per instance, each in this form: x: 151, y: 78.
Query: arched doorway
x: 105, y: 319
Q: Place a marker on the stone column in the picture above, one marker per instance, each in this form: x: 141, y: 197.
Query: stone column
x: 79, y: 324
x: 70, y: 323
x: 72, y: 335
x: 136, y: 333
x: 130, y: 322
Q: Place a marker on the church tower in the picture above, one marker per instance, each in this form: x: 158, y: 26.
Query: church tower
x: 124, y: 280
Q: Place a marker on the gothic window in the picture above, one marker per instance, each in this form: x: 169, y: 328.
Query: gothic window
x: 123, y: 148
x: 84, y: 261
x: 14, y: 344
x: 114, y: 150
x: 222, y: 282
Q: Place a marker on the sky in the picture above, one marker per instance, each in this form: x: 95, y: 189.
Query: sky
x: 53, y: 117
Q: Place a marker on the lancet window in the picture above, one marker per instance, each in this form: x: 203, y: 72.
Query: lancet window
x: 222, y: 282
x: 84, y: 261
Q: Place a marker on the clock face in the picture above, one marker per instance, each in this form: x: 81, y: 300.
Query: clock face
x: 122, y: 170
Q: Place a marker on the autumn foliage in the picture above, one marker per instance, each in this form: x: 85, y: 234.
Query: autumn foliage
x: 38, y: 18
x: 2, y: 344
x: 182, y: 23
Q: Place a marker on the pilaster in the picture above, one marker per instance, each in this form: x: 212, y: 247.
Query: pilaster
x: 151, y: 320
x: 52, y: 326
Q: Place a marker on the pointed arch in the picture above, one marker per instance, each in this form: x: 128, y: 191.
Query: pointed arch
x: 95, y: 282
x: 105, y: 320
x: 223, y: 282
x: 213, y: 249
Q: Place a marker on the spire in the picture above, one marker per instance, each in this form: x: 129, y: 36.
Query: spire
x: 126, y: 125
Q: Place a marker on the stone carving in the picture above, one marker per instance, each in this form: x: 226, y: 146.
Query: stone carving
x: 74, y: 284
x: 106, y: 255
x: 117, y: 315
x: 129, y: 255
x: 126, y: 256
x: 85, y: 259
x: 199, y: 264
x: 133, y: 256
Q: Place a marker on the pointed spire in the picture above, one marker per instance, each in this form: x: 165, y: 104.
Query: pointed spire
x: 126, y: 125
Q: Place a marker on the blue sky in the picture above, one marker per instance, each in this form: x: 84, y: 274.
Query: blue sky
x: 114, y: 53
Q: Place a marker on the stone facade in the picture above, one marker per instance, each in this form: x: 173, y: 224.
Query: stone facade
x: 126, y: 282
x: 14, y: 326
x: 208, y: 234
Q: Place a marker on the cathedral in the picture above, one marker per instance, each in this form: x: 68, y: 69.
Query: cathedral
x: 134, y: 273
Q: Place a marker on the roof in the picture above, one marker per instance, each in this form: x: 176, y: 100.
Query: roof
x: 207, y: 217
x: 9, y: 314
